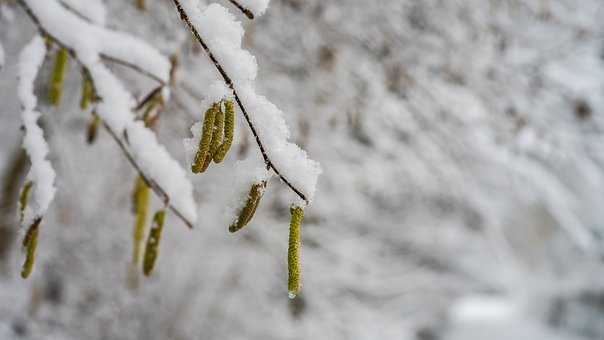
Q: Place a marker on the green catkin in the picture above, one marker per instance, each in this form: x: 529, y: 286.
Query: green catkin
x: 58, y: 76
x: 24, y: 198
x: 229, y: 129
x: 205, y: 140
x: 217, y: 134
x: 30, y: 243
x: 93, y: 127
x: 87, y: 92
x: 140, y: 198
x: 293, y: 251
x: 152, y: 247
x: 247, y: 212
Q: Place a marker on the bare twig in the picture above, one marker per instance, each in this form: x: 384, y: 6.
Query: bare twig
x: 269, y: 164
x: 249, y: 14
x: 157, y: 189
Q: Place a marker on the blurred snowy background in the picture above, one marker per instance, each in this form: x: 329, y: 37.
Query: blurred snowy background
x: 462, y: 144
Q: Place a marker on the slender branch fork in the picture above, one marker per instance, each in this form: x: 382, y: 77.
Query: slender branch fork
x: 267, y: 161
x: 157, y: 189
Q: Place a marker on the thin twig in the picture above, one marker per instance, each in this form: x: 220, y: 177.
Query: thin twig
x: 249, y: 14
x: 157, y: 189
x: 269, y: 164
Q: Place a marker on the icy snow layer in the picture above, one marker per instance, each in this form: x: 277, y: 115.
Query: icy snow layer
x: 89, y: 42
x: 41, y: 173
x: 258, y: 7
x: 223, y: 35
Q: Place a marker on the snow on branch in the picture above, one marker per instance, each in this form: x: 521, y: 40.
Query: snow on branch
x: 41, y: 175
x: 92, y: 10
x: 89, y: 43
x: 251, y: 8
x: 218, y: 32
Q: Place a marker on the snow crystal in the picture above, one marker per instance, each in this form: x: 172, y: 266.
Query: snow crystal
x: 41, y: 173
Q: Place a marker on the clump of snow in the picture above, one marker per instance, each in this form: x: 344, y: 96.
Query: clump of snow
x: 41, y: 173
x: 223, y: 34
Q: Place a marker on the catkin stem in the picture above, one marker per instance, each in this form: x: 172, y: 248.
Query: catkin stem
x: 293, y: 252
x: 58, y: 76
x: 30, y: 243
x: 141, y: 208
x: 152, y: 249
x: 206, y: 139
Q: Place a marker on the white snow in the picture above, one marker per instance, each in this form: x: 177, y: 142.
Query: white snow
x: 1, y: 56
x: 41, y: 173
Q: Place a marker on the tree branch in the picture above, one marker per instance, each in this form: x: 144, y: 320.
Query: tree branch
x: 269, y: 164
x: 157, y: 189
x: 249, y: 14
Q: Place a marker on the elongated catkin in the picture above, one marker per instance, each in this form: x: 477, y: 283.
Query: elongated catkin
x: 229, y: 130
x: 24, y: 198
x: 293, y: 252
x: 140, y: 198
x: 249, y: 209
x: 58, y: 76
x: 30, y: 243
x: 152, y: 248
x: 205, y: 140
x: 87, y: 95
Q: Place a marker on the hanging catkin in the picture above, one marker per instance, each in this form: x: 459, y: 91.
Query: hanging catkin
x: 152, y: 248
x: 205, y: 140
x: 248, y: 210
x: 140, y: 200
x: 58, y: 76
x: 24, y: 198
x: 293, y: 252
x: 87, y: 95
x: 30, y: 242
x: 229, y: 129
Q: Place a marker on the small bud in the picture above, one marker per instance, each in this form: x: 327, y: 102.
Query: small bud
x: 140, y: 200
x: 58, y: 76
x: 229, y: 129
x: 248, y: 211
x: 293, y: 252
x: 23, y: 199
x: 30, y: 243
x: 206, y: 139
x: 152, y: 249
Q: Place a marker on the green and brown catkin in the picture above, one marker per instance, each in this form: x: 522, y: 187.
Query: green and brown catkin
x: 229, y: 129
x: 249, y: 209
x: 24, y: 198
x: 93, y: 128
x: 217, y: 134
x: 140, y: 201
x: 293, y: 252
x: 205, y: 140
x: 30, y: 243
x: 87, y: 95
x: 140, y: 4
x: 152, y: 248
x: 58, y: 76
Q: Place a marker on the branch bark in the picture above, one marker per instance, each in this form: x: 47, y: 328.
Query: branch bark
x: 267, y: 161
